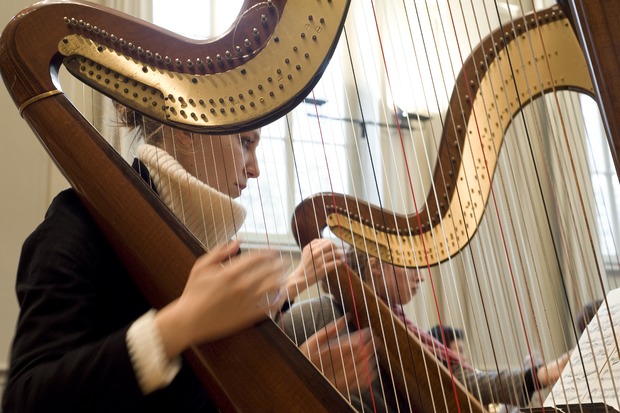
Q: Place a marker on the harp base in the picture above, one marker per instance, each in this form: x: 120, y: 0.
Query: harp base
x: 582, y: 408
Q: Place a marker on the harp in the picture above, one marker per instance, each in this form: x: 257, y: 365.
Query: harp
x: 496, y: 82
x: 116, y: 53
x: 433, y: 394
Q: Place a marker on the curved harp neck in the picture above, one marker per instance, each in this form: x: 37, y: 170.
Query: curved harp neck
x: 472, y: 137
x: 251, y: 75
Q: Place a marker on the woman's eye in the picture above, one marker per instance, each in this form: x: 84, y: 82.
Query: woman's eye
x: 246, y: 142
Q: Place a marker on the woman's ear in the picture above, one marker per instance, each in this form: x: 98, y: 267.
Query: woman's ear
x: 178, y: 139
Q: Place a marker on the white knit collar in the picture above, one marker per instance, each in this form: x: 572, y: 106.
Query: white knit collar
x: 213, y: 217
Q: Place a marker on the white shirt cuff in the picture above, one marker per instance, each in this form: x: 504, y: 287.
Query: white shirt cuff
x: 152, y: 368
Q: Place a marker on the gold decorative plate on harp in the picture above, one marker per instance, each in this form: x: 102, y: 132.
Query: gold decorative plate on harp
x: 488, y: 96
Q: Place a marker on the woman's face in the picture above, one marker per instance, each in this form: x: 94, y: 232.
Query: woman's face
x: 224, y: 162
x: 396, y: 285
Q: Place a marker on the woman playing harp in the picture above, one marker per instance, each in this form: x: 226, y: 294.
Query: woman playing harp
x: 73, y: 352
x: 70, y: 274
x: 397, y: 286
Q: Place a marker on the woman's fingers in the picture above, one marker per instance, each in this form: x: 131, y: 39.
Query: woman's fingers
x: 324, y: 335
x: 347, y: 360
x: 225, y: 295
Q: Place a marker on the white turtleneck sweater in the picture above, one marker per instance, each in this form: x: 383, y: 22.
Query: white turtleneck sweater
x: 213, y: 218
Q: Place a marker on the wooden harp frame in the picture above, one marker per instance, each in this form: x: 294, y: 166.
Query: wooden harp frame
x: 157, y: 250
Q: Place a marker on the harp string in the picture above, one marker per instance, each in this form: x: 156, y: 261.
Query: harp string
x: 401, y: 138
x: 374, y: 174
x: 381, y: 326
x: 433, y: 134
x: 582, y: 199
x: 574, y: 219
x: 459, y: 153
x: 574, y: 172
x: 589, y: 287
x: 331, y: 361
x: 450, y: 316
x: 528, y: 294
x: 401, y: 134
x: 564, y: 132
x: 355, y: 310
x: 537, y: 125
x: 555, y: 203
x: 479, y: 125
x: 312, y: 278
x: 573, y: 166
x: 602, y: 209
x: 388, y: 114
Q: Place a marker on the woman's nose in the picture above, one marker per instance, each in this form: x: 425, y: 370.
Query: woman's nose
x: 251, y: 167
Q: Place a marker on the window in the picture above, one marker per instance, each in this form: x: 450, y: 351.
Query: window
x: 195, y: 18
x: 605, y: 186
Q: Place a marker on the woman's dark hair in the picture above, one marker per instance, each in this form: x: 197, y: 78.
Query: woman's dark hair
x: 586, y: 315
x: 450, y: 334
x: 135, y: 120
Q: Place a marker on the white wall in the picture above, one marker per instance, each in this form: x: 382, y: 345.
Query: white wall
x: 28, y: 181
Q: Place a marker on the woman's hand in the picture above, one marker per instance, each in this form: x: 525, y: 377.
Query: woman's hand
x: 318, y: 258
x: 221, y: 297
x: 347, y: 361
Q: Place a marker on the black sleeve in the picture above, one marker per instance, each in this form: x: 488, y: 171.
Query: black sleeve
x: 76, y: 304
x: 530, y: 381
